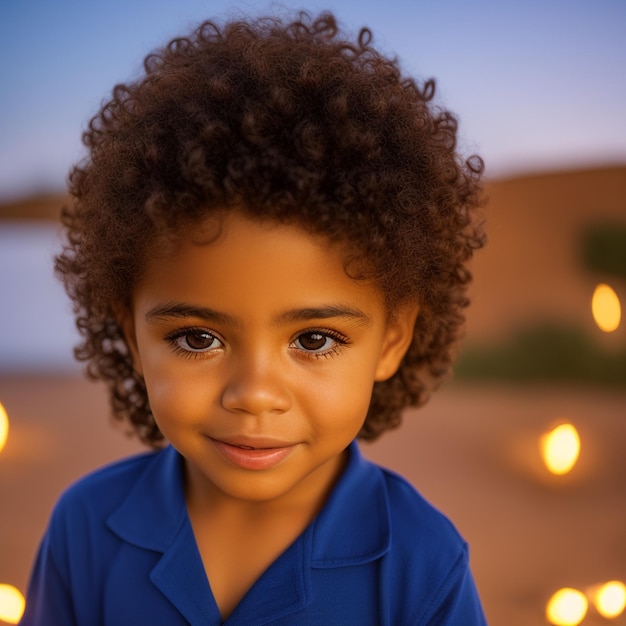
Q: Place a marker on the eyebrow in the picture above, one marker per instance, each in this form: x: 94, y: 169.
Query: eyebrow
x: 325, y: 312
x: 183, y: 310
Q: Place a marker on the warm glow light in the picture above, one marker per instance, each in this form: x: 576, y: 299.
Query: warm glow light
x: 610, y: 599
x: 4, y: 427
x: 560, y: 449
x: 567, y: 607
x: 606, y: 308
x: 11, y: 604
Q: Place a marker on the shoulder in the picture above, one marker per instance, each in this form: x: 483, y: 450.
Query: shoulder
x: 103, y: 490
x: 78, y: 544
x: 416, y: 521
x: 105, y: 480
x: 427, y: 565
x: 386, y: 514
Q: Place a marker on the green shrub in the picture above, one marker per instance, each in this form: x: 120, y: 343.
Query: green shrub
x: 547, y: 353
x: 603, y: 249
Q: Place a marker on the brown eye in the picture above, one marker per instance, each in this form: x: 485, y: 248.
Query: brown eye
x: 197, y: 341
x: 314, y: 341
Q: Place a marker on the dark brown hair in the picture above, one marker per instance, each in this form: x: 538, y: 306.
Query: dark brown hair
x: 294, y: 122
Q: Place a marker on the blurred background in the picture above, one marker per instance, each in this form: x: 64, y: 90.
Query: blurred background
x: 540, y: 91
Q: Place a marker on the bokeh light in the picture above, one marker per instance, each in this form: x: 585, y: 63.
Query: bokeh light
x: 4, y: 427
x: 610, y: 599
x: 560, y: 449
x: 606, y: 308
x: 11, y: 604
x: 567, y: 607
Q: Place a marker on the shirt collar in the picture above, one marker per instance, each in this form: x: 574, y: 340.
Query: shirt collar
x: 354, y: 526
x: 154, y: 510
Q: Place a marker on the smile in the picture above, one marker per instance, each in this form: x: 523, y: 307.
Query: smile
x: 264, y: 455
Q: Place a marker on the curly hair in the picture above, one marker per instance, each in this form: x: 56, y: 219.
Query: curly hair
x: 295, y: 122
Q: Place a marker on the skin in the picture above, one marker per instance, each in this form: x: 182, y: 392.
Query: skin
x: 258, y: 339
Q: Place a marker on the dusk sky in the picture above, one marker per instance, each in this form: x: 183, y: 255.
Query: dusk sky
x: 536, y: 84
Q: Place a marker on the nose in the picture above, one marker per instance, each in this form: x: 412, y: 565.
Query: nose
x: 256, y: 386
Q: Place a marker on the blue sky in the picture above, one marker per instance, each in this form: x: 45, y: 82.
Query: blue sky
x: 536, y: 84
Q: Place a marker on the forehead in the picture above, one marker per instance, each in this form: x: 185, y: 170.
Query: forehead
x: 240, y: 260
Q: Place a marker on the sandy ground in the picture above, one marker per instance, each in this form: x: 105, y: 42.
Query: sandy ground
x: 472, y: 452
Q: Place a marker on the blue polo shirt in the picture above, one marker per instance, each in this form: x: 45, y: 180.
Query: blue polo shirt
x: 120, y: 551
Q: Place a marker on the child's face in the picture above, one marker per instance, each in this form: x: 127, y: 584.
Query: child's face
x: 259, y: 355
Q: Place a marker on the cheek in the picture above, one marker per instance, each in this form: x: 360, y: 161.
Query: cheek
x: 341, y: 402
x: 175, y: 395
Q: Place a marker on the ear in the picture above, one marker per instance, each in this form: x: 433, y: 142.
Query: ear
x: 398, y: 338
x: 126, y: 320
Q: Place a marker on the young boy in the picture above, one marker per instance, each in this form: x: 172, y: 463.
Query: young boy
x: 267, y: 257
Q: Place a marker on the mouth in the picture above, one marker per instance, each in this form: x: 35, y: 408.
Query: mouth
x: 257, y: 454
x: 248, y: 443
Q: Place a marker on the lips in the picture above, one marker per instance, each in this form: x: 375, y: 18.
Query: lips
x: 253, y: 454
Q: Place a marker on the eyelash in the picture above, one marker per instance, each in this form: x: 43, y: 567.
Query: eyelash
x: 339, y: 343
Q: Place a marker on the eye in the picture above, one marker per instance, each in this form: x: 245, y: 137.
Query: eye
x: 194, y: 340
x: 314, y: 341
x: 319, y: 343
